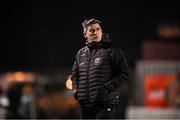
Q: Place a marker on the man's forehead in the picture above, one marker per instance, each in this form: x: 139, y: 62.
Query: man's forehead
x: 94, y: 25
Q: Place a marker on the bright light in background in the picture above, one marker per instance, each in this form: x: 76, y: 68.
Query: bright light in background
x: 69, y: 82
x: 4, y: 101
x: 19, y: 76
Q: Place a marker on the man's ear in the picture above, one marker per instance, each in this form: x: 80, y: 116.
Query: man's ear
x: 85, y: 35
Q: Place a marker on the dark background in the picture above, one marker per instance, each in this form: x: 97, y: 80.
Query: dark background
x: 47, y: 34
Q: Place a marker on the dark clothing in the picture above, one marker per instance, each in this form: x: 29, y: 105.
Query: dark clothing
x: 98, y: 71
x: 99, y: 111
x: 14, y: 94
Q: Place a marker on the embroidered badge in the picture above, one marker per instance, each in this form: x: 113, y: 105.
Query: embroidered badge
x: 97, y: 61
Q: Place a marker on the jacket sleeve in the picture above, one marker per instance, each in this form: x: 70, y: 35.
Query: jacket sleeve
x: 75, y: 77
x: 75, y: 73
x: 119, y: 68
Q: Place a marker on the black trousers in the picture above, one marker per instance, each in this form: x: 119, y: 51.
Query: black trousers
x: 99, y: 111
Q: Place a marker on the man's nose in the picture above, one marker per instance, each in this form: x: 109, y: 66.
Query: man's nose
x: 94, y: 31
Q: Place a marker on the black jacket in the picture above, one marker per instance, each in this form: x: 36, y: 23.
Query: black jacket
x: 98, y: 70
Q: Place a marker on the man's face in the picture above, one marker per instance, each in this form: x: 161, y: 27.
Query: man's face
x: 93, y: 33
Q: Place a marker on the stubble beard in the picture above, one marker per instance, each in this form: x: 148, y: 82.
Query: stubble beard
x: 94, y: 39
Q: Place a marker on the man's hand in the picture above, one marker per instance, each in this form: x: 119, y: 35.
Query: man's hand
x: 74, y: 90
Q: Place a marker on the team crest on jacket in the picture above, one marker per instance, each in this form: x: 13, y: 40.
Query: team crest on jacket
x: 97, y: 61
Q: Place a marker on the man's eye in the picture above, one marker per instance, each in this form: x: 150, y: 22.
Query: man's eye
x: 97, y: 29
x: 91, y: 30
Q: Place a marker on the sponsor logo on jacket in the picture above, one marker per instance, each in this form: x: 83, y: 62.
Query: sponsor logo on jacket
x: 97, y: 61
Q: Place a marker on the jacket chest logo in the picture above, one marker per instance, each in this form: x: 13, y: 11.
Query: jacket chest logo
x: 97, y: 61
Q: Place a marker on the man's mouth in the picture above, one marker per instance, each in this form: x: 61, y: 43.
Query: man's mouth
x: 94, y: 36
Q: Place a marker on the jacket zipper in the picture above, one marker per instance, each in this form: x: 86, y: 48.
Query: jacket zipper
x: 89, y: 62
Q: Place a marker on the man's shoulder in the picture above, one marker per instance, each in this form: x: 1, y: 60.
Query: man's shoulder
x: 82, y: 50
x: 116, y: 50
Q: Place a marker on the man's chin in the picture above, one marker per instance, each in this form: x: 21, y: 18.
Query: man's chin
x: 94, y: 40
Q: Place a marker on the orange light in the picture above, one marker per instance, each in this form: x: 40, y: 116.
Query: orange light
x: 19, y: 76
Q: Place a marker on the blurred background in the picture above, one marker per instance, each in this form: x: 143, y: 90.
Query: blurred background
x: 39, y: 40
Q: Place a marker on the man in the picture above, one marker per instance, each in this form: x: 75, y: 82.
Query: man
x: 99, y: 69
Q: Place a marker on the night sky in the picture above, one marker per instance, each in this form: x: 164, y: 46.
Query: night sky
x: 47, y: 34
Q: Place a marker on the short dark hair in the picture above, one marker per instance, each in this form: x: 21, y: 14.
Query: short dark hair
x: 88, y: 22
